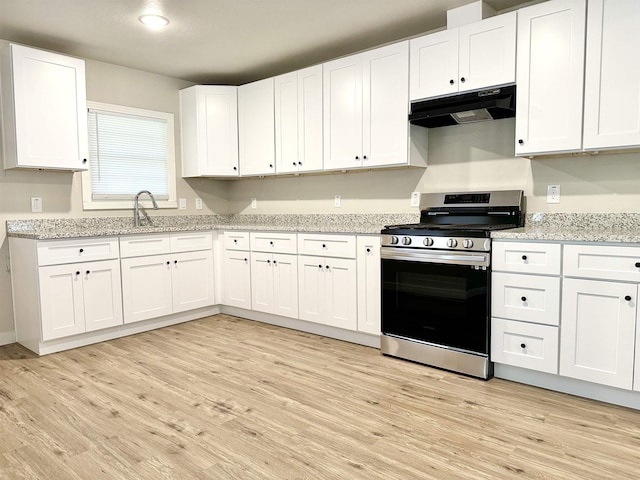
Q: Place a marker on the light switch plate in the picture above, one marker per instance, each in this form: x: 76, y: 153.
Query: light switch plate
x: 415, y: 199
x: 254, y: 203
x: 198, y: 204
x: 337, y: 201
x: 182, y: 204
x: 36, y: 204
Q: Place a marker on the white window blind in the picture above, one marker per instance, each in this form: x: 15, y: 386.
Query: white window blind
x: 127, y: 153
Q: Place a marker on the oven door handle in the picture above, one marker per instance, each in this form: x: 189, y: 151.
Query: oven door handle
x: 481, y: 259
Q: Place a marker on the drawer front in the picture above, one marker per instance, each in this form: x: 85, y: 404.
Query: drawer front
x: 141, y: 245
x: 190, y: 242
x: 525, y: 345
x: 55, y: 252
x: 274, y: 242
x: 603, y: 262
x: 530, y: 298
x: 327, y: 245
x: 236, y: 240
x: 524, y: 257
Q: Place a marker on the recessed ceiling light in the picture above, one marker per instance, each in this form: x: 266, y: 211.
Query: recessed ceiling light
x: 153, y: 21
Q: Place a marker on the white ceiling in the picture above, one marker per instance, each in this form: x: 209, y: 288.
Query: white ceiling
x: 220, y: 41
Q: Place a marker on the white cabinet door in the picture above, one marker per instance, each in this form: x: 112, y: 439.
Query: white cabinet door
x: 209, y: 119
x: 146, y: 287
x: 61, y: 301
x: 285, y: 285
x: 385, y: 106
x: 311, y: 292
x: 256, y: 128
x: 262, y: 282
x: 237, y: 279
x: 192, y: 280
x: 487, y: 53
x: 598, y: 331
x: 44, y: 111
x: 549, y: 75
x: 434, y: 65
x: 612, y: 96
x: 341, y: 304
x: 342, y: 86
x: 369, y: 286
x: 102, y: 295
x: 298, y: 120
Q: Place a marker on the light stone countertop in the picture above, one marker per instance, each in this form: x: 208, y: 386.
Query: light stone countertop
x: 577, y: 227
x: 46, y: 229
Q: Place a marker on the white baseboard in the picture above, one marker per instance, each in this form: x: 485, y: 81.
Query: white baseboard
x: 7, y: 337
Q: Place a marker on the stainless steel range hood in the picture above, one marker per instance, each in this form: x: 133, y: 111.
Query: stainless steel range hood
x: 489, y: 104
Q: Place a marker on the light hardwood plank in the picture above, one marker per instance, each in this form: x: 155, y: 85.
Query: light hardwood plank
x: 228, y: 398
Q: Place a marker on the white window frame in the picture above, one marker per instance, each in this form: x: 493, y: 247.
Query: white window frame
x: 89, y: 203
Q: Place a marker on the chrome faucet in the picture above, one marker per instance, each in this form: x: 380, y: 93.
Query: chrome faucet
x: 136, y: 208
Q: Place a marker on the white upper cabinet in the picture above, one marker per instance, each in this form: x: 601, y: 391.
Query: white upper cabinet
x: 298, y: 121
x: 256, y: 128
x: 470, y: 57
x: 366, y: 106
x: 209, y: 119
x: 44, y: 110
x: 551, y: 45
x: 612, y: 95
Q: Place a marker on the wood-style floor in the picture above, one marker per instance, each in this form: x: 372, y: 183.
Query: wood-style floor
x: 227, y: 398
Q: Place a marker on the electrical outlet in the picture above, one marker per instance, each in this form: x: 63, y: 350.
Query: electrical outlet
x: 254, y: 203
x: 415, y: 199
x: 182, y: 204
x: 36, y: 204
x: 553, y: 193
x: 198, y: 204
x: 337, y: 201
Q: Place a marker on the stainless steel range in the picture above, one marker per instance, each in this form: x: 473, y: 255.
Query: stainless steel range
x: 436, y: 279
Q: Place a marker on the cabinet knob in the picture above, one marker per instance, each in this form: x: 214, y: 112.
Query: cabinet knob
x: 88, y: 272
x: 324, y: 246
x: 271, y: 165
x: 84, y: 160
x: 274, y: 262
x: 521, y: 142
x: 175, y: 261
x: 294, y: 164
x: 235, y: 168
x: 368, y: 250
x: 299, y: 163
x: 523, y: 345
x: 270, y: 243
x: 245, y: 260
x: 77, y: 273
x: 319, y: 266
x: 168, y: 262
x: 327, y: 267
x: 364, y: 157
x: 462, y: 79
x: 627, y: 298
x: 637, y: 264
x: 524, y: 299
x: 81, y: 250
x: 268, y: 261
x: 524, y: 257
x: 357, y: 157
x: 451, y: 82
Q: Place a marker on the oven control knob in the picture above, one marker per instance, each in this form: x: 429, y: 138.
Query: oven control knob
x: 467, y: 243
x: 406, y: 240
x: 452, y: 243
x: 394, y: 240
x: 428, y: 242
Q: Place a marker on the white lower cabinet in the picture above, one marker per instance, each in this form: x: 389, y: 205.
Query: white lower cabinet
x: 79, y: 297
x: 369, y: 286
x: 237, y: 279
x: 274, y: 283
x: 598, y: 331
x: 327, y: 291
x: 171, y: 281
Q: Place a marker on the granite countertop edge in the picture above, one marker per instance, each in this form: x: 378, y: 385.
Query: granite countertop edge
x: 604, y: 235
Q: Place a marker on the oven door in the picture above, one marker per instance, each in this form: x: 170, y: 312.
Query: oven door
x: 437, y: 297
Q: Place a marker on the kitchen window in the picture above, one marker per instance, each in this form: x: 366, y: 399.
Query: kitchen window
x: 130, y: 149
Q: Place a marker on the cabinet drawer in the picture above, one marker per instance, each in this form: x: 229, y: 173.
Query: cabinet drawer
x: 530, y: 298
x: 236, y: 240
x: 274, y: 242
x: 190, y: 242
x: 54, y: 252
x: 523, y: 257
x: 327, y: 245
x: 525, y: 345
x: 140, y: 245
x: 596, y: 261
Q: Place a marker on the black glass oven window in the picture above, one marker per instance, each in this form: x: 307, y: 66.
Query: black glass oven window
x: 436, y: 303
